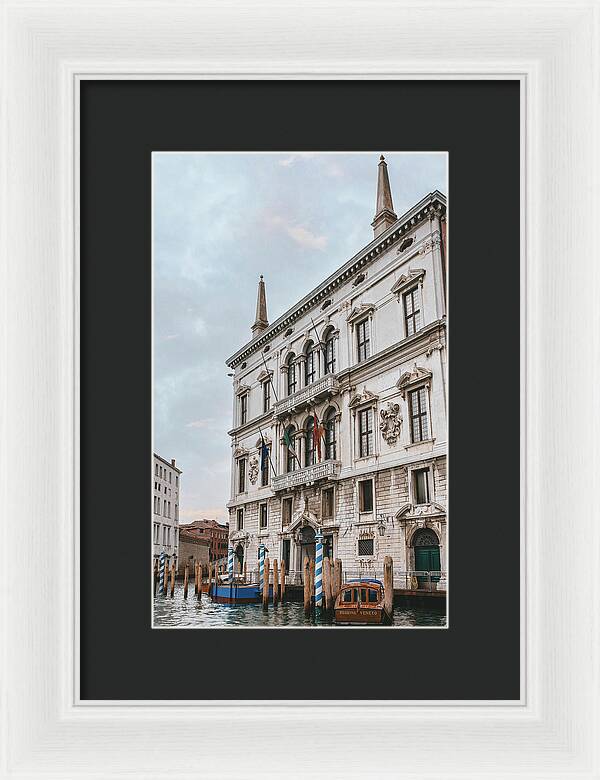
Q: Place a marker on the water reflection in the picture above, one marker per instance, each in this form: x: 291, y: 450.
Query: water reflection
x: 179, y: 612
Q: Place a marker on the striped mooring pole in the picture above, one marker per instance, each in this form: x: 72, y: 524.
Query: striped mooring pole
x: 319, y: 570
x: 230, y: 563
x: 261, y: 567
x: 161, y: 570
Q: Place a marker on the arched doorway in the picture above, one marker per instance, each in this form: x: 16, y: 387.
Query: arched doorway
x: 239, y: 558
x: 306, y: 544
x: 427, y: 555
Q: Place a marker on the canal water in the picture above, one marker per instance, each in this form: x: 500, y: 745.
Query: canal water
x: 178, y: 612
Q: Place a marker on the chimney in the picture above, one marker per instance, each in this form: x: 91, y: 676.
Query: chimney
x: 385, y: 215
x: 261, y: 323
x: 173, y: 462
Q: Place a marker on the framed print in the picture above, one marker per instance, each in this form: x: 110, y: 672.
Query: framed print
x: 380, y: 224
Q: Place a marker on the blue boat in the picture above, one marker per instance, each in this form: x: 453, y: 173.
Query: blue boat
x: 237, y: 593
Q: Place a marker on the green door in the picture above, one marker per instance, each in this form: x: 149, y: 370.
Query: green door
x: 427, y: 559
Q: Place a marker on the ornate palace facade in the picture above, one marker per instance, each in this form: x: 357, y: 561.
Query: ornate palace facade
x: 361, y: 358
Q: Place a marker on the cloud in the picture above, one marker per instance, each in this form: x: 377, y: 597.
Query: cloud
x: 287, y: 162
x: 299, y: 234
x: 207, y: 423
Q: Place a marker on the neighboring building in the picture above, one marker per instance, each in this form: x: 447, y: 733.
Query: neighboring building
x: 192, y: 550
x: 363, y: 358
x: 165, y: 506
x: 214, y: 533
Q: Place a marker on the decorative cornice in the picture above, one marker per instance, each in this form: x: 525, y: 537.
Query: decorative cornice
x: 242, y: 389
x: 360, y: 399
x: 408, y: 279
x: 264, y: 375
x: 435, y: 202
x: 359, y: 312
x: 412, y: 378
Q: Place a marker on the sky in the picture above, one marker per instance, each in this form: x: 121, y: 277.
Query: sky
x: 219, y: 221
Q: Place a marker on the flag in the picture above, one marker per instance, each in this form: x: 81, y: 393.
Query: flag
x: 318, y: 432
x: 264, y: 456
x: 288, y: 441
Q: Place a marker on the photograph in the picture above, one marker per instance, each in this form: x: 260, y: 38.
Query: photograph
x: 300, y: 470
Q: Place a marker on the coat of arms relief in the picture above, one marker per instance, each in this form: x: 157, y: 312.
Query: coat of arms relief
x: 391, y: 422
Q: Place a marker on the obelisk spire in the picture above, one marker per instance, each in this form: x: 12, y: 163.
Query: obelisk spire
x: 384, y: 215
x: 261, y: 322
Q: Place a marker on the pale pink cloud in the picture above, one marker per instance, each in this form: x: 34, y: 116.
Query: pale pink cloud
x: 298, y: 233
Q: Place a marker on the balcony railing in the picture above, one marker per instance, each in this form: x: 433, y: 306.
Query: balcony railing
x: 330, y: 469
x: 328, y: 385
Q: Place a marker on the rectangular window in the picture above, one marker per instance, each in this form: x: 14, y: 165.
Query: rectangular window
x: 330, y: 355
x: 263, y: 516
x: 291, y: 378
x: 365, y: 432
x: 264, y: 470
x: 286, y: 553
x: 165, y: 507
x: 240, y: 519
x: 170, y: 475
x: 365, y: 495
x: 244, y: 409
x: 176, y: 481
x: 365, y: 547
x: 156, y: 469
x: 412, y: 313
x: 327, y: 497
x: 286, y: 511
x: 363, y: 340
x: 419, y: 425
x: 266, y: 396
x: 421, y: 486
x: 310, y: 373
x: 241, y: 475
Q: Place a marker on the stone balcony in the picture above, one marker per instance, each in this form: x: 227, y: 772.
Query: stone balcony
x: 330, y: 469
x: 326, y: 386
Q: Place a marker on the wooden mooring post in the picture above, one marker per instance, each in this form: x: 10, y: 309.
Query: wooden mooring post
x: 265, y: 597
x: 155, y: 577
x: 185, y: 581
x: 173, y: 578
x: 307, y: 591
x: 196, y: 578
x: 199, y: 591
x: 327, y: 583
x: 275, y: 582
x: 245, y: 572
x: 165, y: 582
x: 388, y: 585
x: 282, y: 579
x: 337, y: 578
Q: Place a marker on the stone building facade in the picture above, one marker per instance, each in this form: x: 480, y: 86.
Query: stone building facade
x: 361, y: 358
x: 192, y: 550
x: 215, y: 535
x: 166, y: 478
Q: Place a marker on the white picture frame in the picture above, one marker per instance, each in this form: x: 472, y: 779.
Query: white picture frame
x: 551, y: 48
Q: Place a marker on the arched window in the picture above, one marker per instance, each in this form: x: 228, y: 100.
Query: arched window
x: 309, y: 449
x: 290, y: 459
x: 330, y: 443
x: 330, y: 353
x: 292, y: 385
x: 310, y: 367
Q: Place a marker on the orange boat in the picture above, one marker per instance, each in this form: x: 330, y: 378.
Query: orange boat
x: 360, y: 603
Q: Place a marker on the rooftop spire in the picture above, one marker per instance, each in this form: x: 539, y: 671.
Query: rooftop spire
x: 261, y: 322
x: 385, y: 215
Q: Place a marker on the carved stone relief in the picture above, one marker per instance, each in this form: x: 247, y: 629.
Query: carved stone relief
x: 391, y: 422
